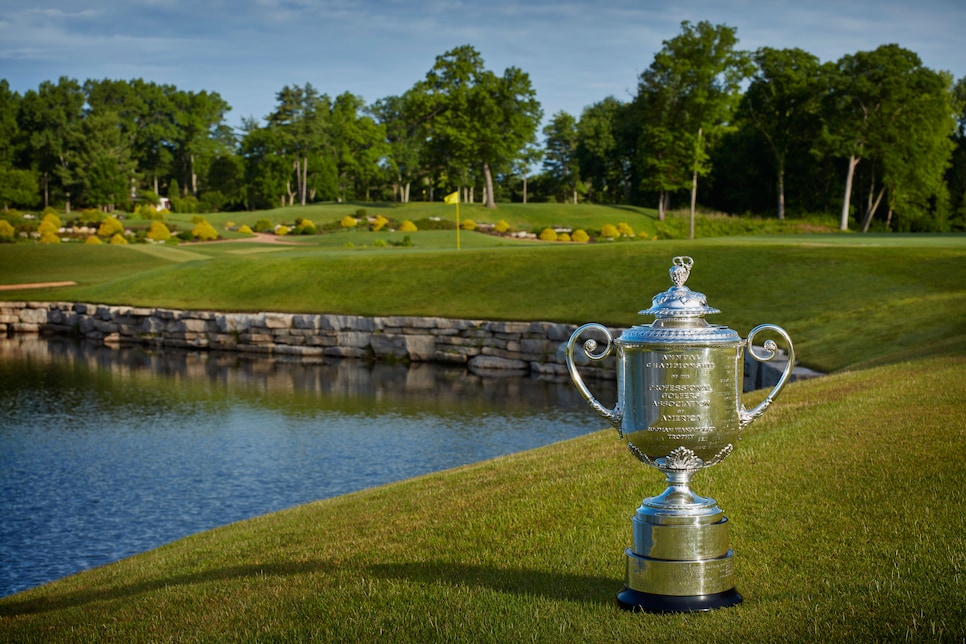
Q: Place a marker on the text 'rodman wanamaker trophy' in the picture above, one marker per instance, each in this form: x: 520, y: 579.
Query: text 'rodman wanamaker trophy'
x: 679, y: 383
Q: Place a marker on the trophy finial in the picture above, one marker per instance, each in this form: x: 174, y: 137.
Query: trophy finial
x: 681, y: 270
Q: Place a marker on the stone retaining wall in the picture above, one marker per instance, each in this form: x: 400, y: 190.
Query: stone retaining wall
x: 483, y: 346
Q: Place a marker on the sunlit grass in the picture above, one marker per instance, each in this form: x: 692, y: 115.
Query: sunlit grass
x: 844, y: 520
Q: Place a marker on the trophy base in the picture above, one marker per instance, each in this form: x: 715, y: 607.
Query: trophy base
x: 635, y: 600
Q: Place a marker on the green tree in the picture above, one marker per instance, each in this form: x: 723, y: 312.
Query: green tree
x: 395, y: 114
x: 783, y: 101
x: 359, y: 143
x: 200, y: 134
x: 599, y: 153
x: 475, y: 118
x: 685, y: 102
x: 102, y: 169
x: 878, y: 98
x: 560, y: 161
x: 50, y: 119
x: 301, y: 124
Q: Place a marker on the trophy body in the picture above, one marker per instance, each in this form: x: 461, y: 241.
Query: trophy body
x: 679, y: 409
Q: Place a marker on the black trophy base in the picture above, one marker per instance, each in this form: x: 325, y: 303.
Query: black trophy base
x: 635, y: 600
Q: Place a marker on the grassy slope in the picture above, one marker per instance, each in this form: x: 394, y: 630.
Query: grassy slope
x: 845, y: 301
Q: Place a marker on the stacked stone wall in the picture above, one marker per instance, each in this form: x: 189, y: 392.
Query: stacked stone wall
x: 484, y: 346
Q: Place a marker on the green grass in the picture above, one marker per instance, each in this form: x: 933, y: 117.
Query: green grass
x: 846, y: 300
x: 845, y: 521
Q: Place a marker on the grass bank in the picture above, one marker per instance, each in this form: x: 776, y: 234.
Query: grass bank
x: 845, y: 520
x: 846, y: 300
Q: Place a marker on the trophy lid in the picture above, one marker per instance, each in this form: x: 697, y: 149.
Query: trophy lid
x: 679, y: 301
x: 680, y: 316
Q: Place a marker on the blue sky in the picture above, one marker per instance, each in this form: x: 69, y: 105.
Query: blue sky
x: 577, y: 52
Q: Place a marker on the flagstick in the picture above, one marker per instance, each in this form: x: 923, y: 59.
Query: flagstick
x: 457, y: 223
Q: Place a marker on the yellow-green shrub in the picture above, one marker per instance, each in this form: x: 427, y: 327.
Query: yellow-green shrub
x: 245, y: 229
x: 49, y: 238
x: 548, y: 234
x: 379, y: 223
x: 625, y: 229
x: 349, y: 222
x: 118, y: 238
x: 580, y: 235
x: 6, y: 230
x: 204, y: 231
x: 52, y: 219
x: 407, y: 227
x: 93, y: 239
x: 47, y: 227
x: 469, y: 224
x: 110, y: 227
x: 610, y: 230
x: 282, y: 230
x: 564, y: 237
x: 158, y: 232
x: 501, y: 226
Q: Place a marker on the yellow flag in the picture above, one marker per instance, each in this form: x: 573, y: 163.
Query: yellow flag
x: 452, y: 198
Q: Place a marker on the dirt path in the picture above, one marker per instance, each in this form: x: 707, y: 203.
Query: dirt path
x: 17, y: 287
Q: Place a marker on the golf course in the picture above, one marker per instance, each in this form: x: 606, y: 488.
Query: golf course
x: 844, y: 500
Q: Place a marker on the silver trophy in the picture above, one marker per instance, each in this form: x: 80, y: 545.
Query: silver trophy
x: 679, y: 385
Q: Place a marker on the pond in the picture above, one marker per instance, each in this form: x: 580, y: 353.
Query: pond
x: 105, y: 452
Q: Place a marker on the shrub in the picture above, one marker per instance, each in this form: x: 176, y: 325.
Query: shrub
x: 47, y: 227
x: 281, y: 230
x: 609, y: 231
x: 349, y: 222
x: 204, y: 231
x: 501, y: 226
x: 198, y: 219
x: 548, y: 234
x: 564, y: 237
x: 361, y: 213
x: 306, y: 227
x: 159, y: 232
x: 580, y: 235
x: 625, y: 229
x: 407, y: 227
x: 380, y: 243
x: 49, y: 211
x: 48, y: 237
x: 185, y: 235
x: 118, y: 239
x: 379, y: 223
x: 52, y: 219
x: 110, y: 227
x: 245, y: 229
x: 6, y: 231
x: 93, y: 239
x: 469, y: 224
x: 263, y: 226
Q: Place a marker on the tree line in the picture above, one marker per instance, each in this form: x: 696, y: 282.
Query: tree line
x: 875, y: 137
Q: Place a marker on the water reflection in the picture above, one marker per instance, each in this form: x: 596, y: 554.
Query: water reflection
x: 108, y: 452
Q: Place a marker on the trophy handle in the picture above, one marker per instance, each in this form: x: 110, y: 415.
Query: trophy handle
x: 613, y: 416
x: 747, y: 416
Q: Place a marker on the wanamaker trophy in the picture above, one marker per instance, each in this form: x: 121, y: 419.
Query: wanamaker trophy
x: 679, y: 385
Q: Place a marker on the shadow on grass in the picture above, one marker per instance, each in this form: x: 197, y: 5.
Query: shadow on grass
x: 109, y: 592
x: 557, y: 586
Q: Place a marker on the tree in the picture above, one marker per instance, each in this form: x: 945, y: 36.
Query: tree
x: 200, y: 135
x: 395, y: 114
x: 783, y: 102
x: 688, y: 93
x: 50, y: 119
x: 878, y: 99
x: 560, y: 160
x: 474, y: 117
x: 301, y: 123
x: 602, y: 166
